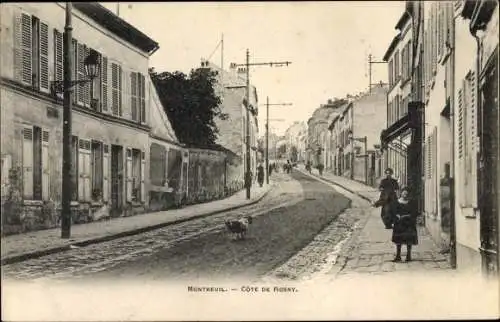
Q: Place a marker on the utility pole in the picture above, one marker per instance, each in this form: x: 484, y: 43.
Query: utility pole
x: 370, y: 62
x: 67, y: 187
x: 248, y: 179
x: 267, y: 133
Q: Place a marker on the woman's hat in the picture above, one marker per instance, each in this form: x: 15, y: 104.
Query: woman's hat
x: 388, y: 170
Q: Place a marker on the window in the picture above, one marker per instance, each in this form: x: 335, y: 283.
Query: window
x: 36, y: 172
x: 58, y: 55
x: 391, y: 73
x: 468, y: 141
x: 96, y: 88
x: 138, y: 97
x: 104, y: 83
x: 396, y: 67
x: 31, y: 51
x: 97, y: 170
x: 158, y: 164
x: 116, y: 89
x: 84, y: 170
x: 135, y: 175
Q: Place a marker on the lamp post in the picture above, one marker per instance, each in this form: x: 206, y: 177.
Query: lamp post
x: 91, y: 64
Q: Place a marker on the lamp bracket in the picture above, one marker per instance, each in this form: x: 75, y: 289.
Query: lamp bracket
x: 58, y: 86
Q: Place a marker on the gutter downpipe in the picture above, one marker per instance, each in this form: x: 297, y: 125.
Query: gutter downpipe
x: 480, y: 178
x: 453, y: 236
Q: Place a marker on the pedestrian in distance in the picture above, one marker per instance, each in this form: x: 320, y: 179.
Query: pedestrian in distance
x: 260, y: 174
x: 388, y: 198
x: 404, y: 231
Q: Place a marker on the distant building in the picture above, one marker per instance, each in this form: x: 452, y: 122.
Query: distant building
x: 355, y: 135
x: 231, y: 87
x: 293, y: 135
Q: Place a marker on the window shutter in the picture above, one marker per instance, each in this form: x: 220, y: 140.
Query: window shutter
x: 86, y: 85
x: 58, y: 55
x: 105, y: 173
x: 114, y: 88
x: 28, y: 162
x: 143, y: 98
x: 133, y: 95
x: 129, y: 175
x: 120, y: 87
x: 84, y: 156
x: 143, y: 170
x: 104, y: 83
x: 45, y: 166
x: 25, y: 53
x: 44, y: 57
x: 76, y: 89
x: 81, y: 73
x: 472, y: 142
x: 17, y: 46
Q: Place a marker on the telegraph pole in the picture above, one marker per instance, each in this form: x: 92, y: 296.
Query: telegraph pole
x: 248, y: 179
x: 370, y: 62
x: 67, y: 187
x: 267, y: 133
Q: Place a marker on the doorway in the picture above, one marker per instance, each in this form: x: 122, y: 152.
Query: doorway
x: 116, y: 180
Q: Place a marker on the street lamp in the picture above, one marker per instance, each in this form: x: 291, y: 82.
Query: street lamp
x: 91, y: 64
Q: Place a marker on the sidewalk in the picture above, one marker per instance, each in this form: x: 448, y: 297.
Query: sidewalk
x: 371, y: 249
x: 16, y: 248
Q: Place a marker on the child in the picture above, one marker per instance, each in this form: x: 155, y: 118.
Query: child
x: 404, y: 230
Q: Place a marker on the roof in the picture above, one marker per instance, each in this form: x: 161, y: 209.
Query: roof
x: 391, y: 48
x: 402, y: 21
x: 116, y: 25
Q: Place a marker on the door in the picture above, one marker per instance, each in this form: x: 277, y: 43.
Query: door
x: 116, y: 179
x: 489, y: 168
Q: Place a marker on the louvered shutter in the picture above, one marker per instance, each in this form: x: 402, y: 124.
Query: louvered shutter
x: 114, y: 88
x: 28, y: 163
x: 105, y: 173
x: 143, y: 98
x: 104, y: 84
x: 45, y: 166
x: 22, y: 48
x: 133, y: 95
x: 81, y: 74
x: 17, y: 46
x: 58, y: 55
x: 75, y: 68
x: 129, y: 175
x: 84, y: 169
x: 44, y: 57
x: 143, y: 175
x: 120, y: 88
x: 472, y: 140
x: 86, y: 85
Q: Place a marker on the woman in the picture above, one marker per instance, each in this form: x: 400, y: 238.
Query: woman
x: 260, y: 175
x: 404, y: 230
x: 388, y: 198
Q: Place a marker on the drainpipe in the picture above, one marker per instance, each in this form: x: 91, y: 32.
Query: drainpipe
x: 474, y: 32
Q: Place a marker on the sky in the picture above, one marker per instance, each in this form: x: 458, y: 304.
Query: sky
x: 327, y: 42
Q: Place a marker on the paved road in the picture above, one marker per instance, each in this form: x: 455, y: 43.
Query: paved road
x: 285, y: 221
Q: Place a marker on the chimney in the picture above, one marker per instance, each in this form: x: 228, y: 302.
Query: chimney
x: 330, y: 102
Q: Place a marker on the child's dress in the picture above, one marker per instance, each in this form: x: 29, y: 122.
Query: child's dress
x: 404, y: 231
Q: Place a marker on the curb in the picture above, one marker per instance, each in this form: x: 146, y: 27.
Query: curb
x: 40, y: 253
x: 340, y: 185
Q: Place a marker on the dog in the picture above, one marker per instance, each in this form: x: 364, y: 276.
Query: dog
x: 239, y: 227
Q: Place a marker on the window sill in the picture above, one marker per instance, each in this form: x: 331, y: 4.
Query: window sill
x: 32, y: 202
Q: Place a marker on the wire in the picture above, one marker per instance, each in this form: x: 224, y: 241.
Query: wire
x: 213, y: 52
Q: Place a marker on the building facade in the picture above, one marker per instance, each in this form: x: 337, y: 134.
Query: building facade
x: 398, y: 58
x: 294, y: 134
x: 111, y: 120
x: 354, y: 135
x: 231, y: 86
x: 317, y: 127
x: 476, y: 129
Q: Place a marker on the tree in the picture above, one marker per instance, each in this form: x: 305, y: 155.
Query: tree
x: 191, y: 104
